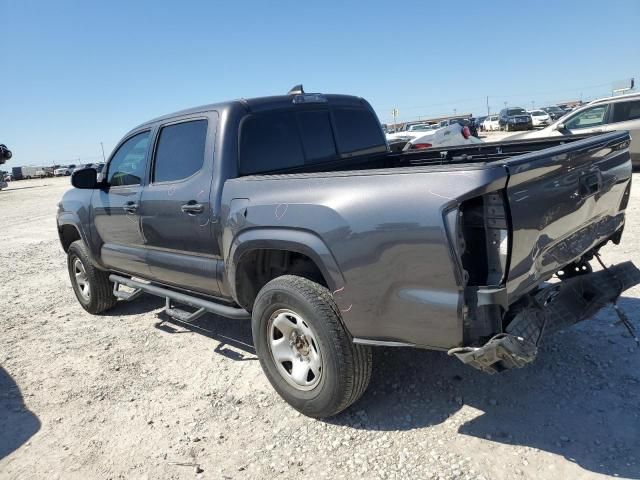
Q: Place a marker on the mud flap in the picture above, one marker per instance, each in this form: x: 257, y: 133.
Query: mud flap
x: 550, y: 309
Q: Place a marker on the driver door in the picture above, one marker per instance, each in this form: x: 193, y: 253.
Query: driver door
x: 116, y: 219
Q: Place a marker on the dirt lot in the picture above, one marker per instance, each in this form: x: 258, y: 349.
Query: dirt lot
x: 132, y: 395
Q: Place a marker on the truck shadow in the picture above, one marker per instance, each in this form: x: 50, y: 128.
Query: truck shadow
x: 234, y: 336
x: 17, y: 423
x: 577, y: 400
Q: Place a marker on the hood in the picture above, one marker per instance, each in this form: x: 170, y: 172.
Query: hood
x: 542, y: 133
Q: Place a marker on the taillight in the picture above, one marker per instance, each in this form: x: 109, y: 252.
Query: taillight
x: 466, y: 133
x: 421, y: 146
x: 485, y: 246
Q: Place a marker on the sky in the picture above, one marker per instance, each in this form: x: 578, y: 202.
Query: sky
x: 78, y: 73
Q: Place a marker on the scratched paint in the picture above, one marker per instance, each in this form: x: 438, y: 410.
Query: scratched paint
x: 281, y: 210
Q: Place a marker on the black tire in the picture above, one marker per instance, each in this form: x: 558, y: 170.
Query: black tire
x: 346, y: 367
x: 100, y: 298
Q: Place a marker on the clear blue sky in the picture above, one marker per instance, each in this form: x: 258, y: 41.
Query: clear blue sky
x: 77, y: 73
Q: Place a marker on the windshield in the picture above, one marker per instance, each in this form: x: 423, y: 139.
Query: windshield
x: 516, y: 111
x: 538, y: 113
x: 555, y: 109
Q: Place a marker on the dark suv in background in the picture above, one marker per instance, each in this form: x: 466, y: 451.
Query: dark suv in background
x: 515, y: 118
x: 554, y: 112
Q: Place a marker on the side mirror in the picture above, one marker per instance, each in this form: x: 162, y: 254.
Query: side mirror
x: 560, y: 126
x: 85, y: 178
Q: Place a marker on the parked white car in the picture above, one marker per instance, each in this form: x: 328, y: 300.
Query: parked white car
x: 491, y: 123
x: 539, y: 118
x: 64, y: 171
x: 450, y: 136
x: 604, y: 115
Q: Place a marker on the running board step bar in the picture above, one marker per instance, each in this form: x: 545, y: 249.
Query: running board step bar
x: 182, y: 298
x: 126, y: 296
x: 182, y: 315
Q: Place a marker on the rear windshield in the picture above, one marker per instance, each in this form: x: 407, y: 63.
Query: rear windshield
x: 282, y: 140
x: 516, y: 111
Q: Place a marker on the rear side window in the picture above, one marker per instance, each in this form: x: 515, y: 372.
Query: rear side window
x: 180, y: 151
x: 625, y: 111
x: 357, y: 129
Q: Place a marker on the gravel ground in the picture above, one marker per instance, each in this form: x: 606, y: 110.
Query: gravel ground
x: 131, y: 394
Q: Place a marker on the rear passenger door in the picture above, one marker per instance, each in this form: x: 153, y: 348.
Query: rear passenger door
x: 175, y: 208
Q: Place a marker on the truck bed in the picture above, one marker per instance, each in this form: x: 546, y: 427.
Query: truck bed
x: 393, y: 224
x: 478, y: 153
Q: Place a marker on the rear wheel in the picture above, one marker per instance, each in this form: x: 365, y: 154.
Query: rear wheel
x: 304, y: 348
x: 92, y: 287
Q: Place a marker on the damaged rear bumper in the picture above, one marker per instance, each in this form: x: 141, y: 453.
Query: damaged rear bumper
x: 550, y: 309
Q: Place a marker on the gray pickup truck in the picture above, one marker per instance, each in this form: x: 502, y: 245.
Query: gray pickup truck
x: 290, y: 210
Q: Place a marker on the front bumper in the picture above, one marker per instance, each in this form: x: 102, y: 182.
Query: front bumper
x: 520, y: 126
x: 548, y: 310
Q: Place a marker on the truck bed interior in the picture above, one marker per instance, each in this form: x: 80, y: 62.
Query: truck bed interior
x: 464, y: 154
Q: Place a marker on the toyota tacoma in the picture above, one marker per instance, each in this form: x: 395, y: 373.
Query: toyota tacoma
x: 292, y: 212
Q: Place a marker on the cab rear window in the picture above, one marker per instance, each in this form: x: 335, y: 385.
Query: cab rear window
x: 357, y: 129
x: 288, y: 139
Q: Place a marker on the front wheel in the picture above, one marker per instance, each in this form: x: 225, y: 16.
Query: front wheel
x: 92, y: 287
x: 304, y: 348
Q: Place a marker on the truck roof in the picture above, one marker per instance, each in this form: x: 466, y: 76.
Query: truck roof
x: 258, y: 104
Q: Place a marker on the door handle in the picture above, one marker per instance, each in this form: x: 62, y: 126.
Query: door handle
x: 590, y: 183
x: 130, y: 207
x: 192, y: 208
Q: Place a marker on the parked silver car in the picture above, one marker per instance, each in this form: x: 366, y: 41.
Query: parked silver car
x: 603, y: 115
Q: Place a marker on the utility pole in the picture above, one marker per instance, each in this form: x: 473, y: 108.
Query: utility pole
x: 533, y: 105
x: 395, y: 113
x: 488, y: 112
x: 102, y: 146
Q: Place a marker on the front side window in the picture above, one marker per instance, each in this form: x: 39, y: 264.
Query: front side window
x: 625, y: 111
x: 591, y: 117
x: 180, y: 151
x: 127, y: 164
